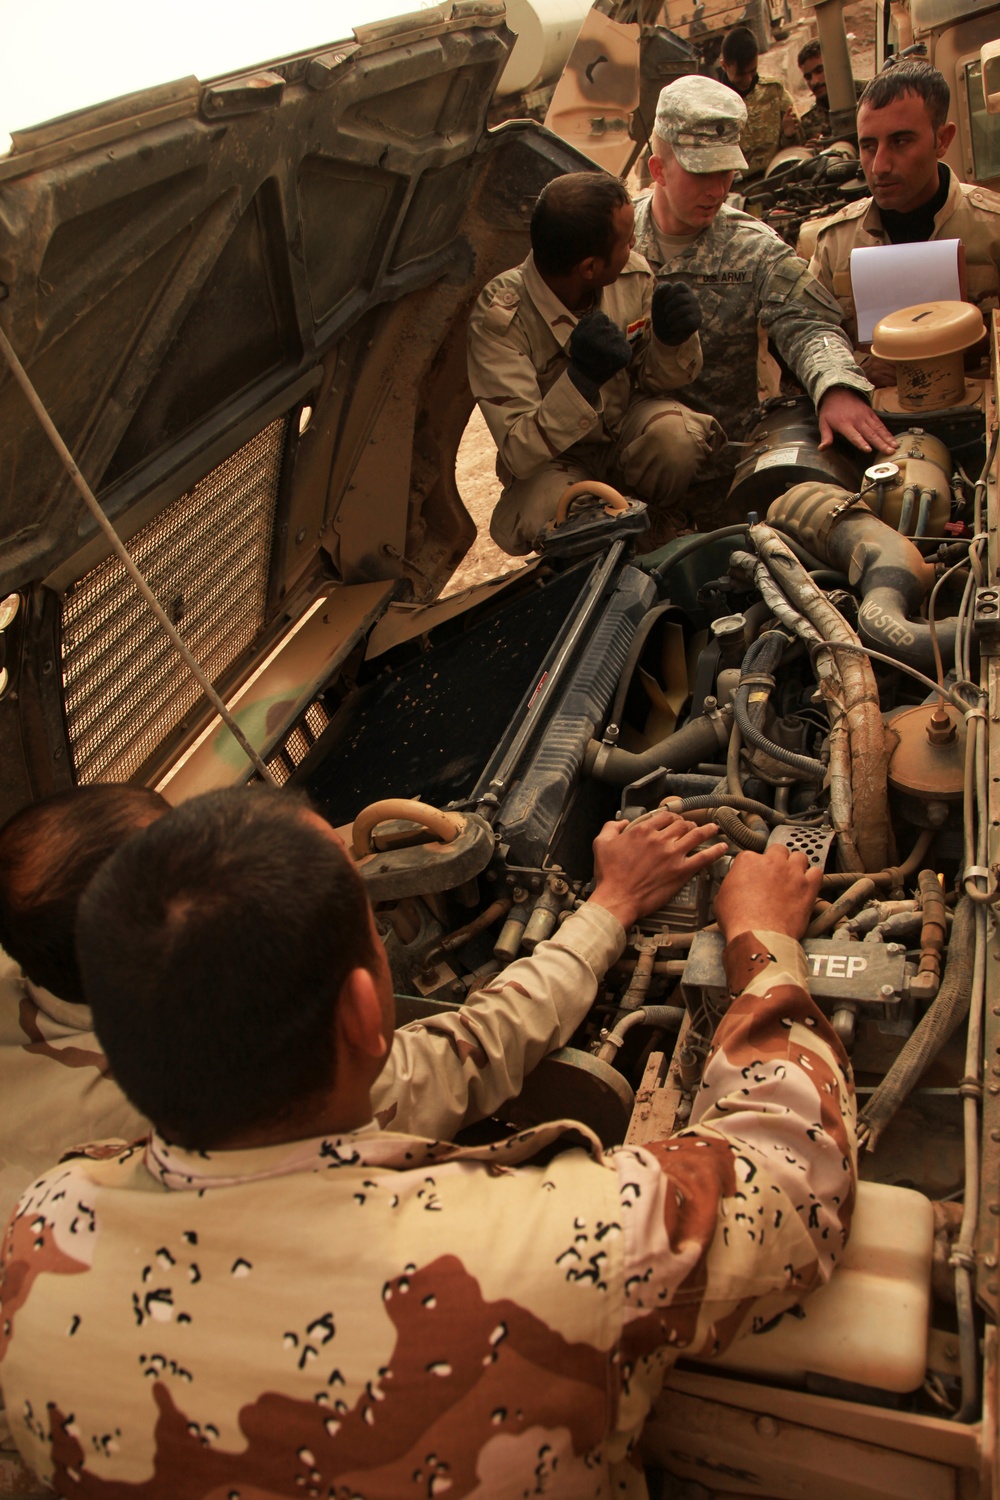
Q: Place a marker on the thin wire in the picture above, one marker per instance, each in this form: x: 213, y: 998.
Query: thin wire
x: 118, y: 546
x: 944, y: 692
x: 938, y: 660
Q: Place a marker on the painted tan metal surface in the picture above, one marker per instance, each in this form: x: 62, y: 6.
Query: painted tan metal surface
x: 282, y: 687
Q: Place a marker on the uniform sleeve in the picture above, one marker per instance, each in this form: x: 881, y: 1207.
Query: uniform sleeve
x: 803, y: 318
x: 821, y: 267
x: 752, y: 1203
x: 528, y: 427
x: 460, y: 1066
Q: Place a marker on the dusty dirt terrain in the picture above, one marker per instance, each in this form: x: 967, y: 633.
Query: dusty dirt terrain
x: 474, y: 470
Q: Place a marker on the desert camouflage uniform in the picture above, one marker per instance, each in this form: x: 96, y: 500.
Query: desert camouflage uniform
x: 761, y: 137
x: 547, y: 434
x: 743, y: 273
x: 378, y: 1315
x: 441, y: 1073
x: 54, y: 1084
x: 970, y: 214
x: 460, y: 1066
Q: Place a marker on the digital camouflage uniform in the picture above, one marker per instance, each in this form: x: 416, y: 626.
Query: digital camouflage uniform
x: 761, y: 137
x: 378, y: 1315
x: 815, y: 123
x: 744, y: 274
x: 970, y: 214
x: 547, y: 434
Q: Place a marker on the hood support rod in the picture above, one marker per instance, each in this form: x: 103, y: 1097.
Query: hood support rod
x: 118, y: 547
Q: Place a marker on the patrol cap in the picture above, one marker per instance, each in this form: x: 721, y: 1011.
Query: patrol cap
x: 702, y: 119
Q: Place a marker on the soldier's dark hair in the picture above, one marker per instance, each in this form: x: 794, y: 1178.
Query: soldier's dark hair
x: 739, y: 46
x: 574, y: 218
x: 213, y: 948
x: 49, y: 852
x: 808, y: 52
x: 911, y: 76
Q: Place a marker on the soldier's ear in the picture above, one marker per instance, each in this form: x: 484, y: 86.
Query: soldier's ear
x: 588, y: 269
x: 945, y: 136
x: 359, y: 1014
x: 655, y: 166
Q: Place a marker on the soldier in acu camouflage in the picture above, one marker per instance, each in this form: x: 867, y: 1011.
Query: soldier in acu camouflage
x: 572, y: 358
x: 743, y: 275
x: 272, y: 1295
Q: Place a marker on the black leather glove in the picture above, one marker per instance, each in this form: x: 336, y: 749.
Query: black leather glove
x: 676, y: 312
x: 597, y: 350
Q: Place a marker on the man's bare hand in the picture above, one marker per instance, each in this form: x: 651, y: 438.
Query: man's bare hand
x: 844, y: 411
x: 881, y: 372
x: 640, y: 866
x: 773, y: 891
x: 790, y: 122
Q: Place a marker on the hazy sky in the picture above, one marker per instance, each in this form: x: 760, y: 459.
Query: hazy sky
x: 62, y: 55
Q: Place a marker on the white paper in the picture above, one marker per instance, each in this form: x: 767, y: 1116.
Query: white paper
x: 885, y: 278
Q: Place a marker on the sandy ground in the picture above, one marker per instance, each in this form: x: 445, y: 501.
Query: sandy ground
x: 474, y: 469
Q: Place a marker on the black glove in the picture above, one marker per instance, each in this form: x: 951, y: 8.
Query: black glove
x: 597, y: 350
x: 676, y: 312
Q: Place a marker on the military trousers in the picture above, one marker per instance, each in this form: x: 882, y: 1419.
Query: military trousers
x: 660, y: 447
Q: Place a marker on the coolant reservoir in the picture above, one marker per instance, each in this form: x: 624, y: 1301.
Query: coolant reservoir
x: 869, y: 1324
x: 912, y: 487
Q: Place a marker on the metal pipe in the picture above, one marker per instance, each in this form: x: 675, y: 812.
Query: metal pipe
x: 845, y: 905
x: 927, y: 498
x: 461, y: 935
x: 664, y: 1016
x: 508, y: 944
x: 906, y: 510
x: 963, y: 1257
x: 892, y: 875
x: 837, y: 67
x: 685, y: 747
x: 544, y: 918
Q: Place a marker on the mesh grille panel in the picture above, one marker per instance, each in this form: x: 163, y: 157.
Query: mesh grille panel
x: 206, y: 558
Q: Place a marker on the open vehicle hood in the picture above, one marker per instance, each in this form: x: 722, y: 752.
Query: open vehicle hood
x: 243, y: 304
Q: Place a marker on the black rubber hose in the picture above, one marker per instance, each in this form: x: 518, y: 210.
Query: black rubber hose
x: 729, y: 799
x: 699, y: 539
x: 763, y: 656
x: 738, y: 832
x: 685, y: 747
x: 941, y: 1020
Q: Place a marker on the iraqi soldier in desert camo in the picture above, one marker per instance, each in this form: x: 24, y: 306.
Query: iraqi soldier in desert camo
x: 271, y: 1295
x: 442, y: 1073
x: 743, y: 275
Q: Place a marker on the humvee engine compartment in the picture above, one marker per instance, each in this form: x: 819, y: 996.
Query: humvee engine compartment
x: 244, y: 306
